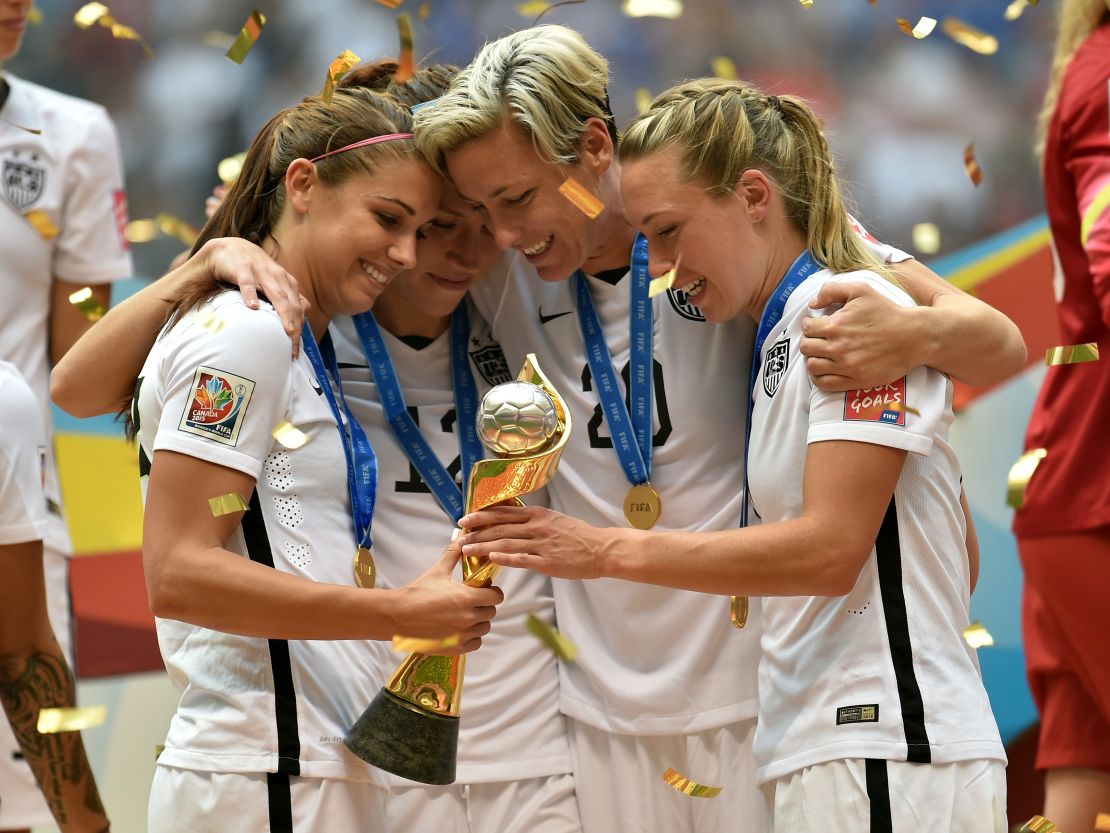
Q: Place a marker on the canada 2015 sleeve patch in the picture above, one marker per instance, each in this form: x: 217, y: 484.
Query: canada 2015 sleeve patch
x: 217, y: 405
x: 885, y: 404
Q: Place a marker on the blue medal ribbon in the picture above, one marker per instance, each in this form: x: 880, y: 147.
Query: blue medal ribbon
x: 804, y: 266
x: 630, y: 428
x: 405, y: 429
x: 362, y: 463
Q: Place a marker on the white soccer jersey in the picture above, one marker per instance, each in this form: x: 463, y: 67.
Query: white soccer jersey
x: 884, y: 671
x: 22, y: 461
x: 511, y: 728
x: 71, y: 175
x: 250, y: 704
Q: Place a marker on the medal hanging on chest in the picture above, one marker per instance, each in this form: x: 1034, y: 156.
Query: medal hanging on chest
x: 630, y: 424
x: 362, y: 463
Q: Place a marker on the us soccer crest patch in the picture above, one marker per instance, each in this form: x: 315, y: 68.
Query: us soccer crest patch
x: 22, y: 181
x: 882, y: 404
x: 681, y: 303
x: 491, y: 363
x: 774, y: 366
x: 218, y: 403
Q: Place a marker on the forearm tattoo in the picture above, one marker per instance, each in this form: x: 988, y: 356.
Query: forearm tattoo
x: 58, y: 760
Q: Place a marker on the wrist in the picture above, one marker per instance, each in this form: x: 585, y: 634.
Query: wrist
x: 925, y: 328
x: 617, y: 549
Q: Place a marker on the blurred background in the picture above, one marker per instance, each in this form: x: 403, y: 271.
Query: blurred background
x: 899, y: 112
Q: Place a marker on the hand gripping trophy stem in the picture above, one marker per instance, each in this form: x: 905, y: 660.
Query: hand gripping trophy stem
x: 411, y: 728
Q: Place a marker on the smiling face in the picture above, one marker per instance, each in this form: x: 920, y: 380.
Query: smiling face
x: 13, y: 23
x: 350, y: 240
x: 503, y: 174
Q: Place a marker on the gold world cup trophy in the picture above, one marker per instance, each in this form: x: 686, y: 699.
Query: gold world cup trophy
x: 412, y: 727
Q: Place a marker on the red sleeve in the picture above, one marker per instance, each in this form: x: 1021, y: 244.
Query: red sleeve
x: 1088, y: 162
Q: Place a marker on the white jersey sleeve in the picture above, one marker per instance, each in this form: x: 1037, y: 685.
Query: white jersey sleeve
x: 224, y: 393
x: 22, y: 461
x: 906, y: 413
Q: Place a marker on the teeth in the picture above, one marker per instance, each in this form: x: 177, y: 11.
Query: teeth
x: 374, y: 273
x: 694, y: 287
x: 539, y: 247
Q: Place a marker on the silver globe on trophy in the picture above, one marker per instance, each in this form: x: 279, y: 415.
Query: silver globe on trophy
x: 412, y: 726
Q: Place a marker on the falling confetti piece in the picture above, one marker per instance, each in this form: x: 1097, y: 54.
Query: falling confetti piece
x: 643, y: 100
x: 1102, y: 821
x: 972, y: 165
x: 967, y: 35
x: 808, y: 3
x: 227, y: 504
x: 404, y: 62
x: 1021, y: 473
x: 158, y: 750
x: 229, y: 169
x: 670, y: 9
x: 922, y: 29
x: 691, y: 788
x: 1016, y: 9
x: 978, y: 636
x: 289, y: 435
x: 209, y: 320
x: 34, y: 16
x: 1094, y: 211
x: 724, y: 68
x: 583, y: 200
x: 562, y: 647
x: 40, y: 221
x: 34, y: 131
x: 1038, y: 824
x: 177, y: 228
x: 247, y: 37
x: 533, y: 7
x: 1072, y: 354
x: 88, y: 306
x: 93, y: 13
x: 392, y: 4
x: 424, y: 12
x: 141, y: 231
x: 926, y: 238
x: 902, y: 406
x: 219, y: 40
x: 336, y: 70
x: 416, y: 645
x: 661, y: 284
x: 52, y: 721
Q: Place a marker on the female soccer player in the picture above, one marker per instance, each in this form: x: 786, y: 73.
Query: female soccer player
x: 871, y: 707
x: 260, y: 620
x: 1063, y: 528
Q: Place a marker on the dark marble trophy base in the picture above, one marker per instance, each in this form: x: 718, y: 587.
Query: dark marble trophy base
x: 400, y: 737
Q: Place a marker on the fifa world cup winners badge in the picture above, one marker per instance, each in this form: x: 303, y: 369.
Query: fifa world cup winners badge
x: 412, y: 727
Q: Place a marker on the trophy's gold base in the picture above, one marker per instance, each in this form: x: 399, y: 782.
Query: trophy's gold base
x: 400, y: 737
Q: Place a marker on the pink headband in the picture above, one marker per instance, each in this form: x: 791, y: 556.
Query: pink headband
x: 364, y: 143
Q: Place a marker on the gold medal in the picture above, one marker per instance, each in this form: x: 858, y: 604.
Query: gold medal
x: 739, y: 611
x: 366, y: 572
x: 642, y: 506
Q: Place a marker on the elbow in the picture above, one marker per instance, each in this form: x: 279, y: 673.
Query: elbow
x: 165, y: 591
x: 66, y: 392
x: 840, y: 569
x: 1016, y: 352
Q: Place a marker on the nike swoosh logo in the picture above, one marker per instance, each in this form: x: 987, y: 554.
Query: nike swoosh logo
x: 545, y: 318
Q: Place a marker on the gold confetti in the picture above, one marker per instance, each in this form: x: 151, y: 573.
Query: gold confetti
x: 34, y: 131
x: 978, y: 636
x: 643, y: 100
x: 34, y: 16
x: 1092, y: 214
x: 1102, y: 821
x: 926, y: 238
x: 405, y: 66
x: 247, y: 37
x: 808, y: 3
x: 922, y: 29
x: 40, y: 221
x: 416, y: 645
x: 583, y: 200
x: 141, y: 231
x: 391, y: 4
x: 691, y: 788
x: 670, y: 9
x: 967, y: 35
x: 562, y: 647
x: 1072, y: 354
x: 177, y: 228
x: 424, y: 11
x: 52, y: 721
x: 219, y: 40
x: 209, y: 320
x: 229, y: 169
x: 1016, y: 9
x: 158, y: 750
x: 289, y: 435
x: 902, y: 406
x: 724, y: 68
x: 661, y: 284
x: 227, y: 504
x: 89, y: 306
x: 1038, y: 824
x: 93, y: 13
x: 533, y: 8
x: 343, y: 64
x: 972, y: 165
x: 1021, y: 473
